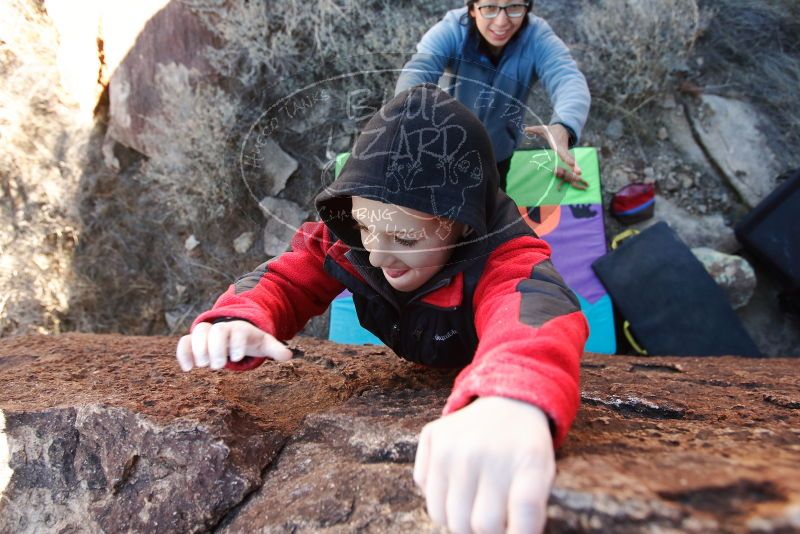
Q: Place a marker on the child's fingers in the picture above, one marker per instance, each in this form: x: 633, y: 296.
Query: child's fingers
x: 214, y: 344
x: 270, y: 347
x: 184, y: 353
x: 421, y: 458
x: 436, y: 485
x: 489, y: 509
x: 218, y: 337
x: 199, y: 344
x: 527, y: 502
x: 435, y: 495
x: 237, y: 349
x: 461, y: 489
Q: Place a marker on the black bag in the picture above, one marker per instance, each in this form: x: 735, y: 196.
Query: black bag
x: 771, y: 232
x: 671, y: 303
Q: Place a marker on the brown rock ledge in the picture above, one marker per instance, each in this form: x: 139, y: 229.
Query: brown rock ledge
x: 105, y: 434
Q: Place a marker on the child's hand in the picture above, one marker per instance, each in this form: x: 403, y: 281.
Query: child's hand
x: 487, y: 467
x: 213, y: 344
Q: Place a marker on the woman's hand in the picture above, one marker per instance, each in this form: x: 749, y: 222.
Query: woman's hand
x: 557, y: 137
x: 213, y: 344
x: 487, y: 468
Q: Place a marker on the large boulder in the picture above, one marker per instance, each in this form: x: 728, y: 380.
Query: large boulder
x: 729, y: 132
x: 681, y: 136
x: 695, y: 230
x: 732, y: 273
x: 105, y: 434
x: 276, y: 166
x: 152, y: 49
x: 284, y: 217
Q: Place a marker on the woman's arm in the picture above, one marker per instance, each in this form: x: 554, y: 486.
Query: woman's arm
x: 559, y: 74
x: 434, y: 51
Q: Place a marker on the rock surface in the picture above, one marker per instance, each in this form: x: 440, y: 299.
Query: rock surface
x: 695, y: 230
x: 284, y: 217
x: 683, y: 139
x: 104, y: 433
x: 732, y: 273
x: 243, y: 243
x: 277, y: 166
x: 728, y: 131
x: 151, y: 47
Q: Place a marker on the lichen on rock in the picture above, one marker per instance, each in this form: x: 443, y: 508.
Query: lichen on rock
x: 106, y: 434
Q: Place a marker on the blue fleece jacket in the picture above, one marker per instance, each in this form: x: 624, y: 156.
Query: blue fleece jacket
x: 498, y: 94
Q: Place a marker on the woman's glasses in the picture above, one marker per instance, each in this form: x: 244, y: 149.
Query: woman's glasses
x: 514, y: 11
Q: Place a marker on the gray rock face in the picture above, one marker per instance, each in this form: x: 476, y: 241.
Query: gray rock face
x: 349, y: 469
x: 79, y: 66
x: 243, y: 243
x: 614, y: 130
x: 680, y: 135
x: 151, y: 48
x: 733, y: 273
x: 102, y: 469
x: 695, y: 230
x: 276, y: 166
x: 729, y: 132
x: 167, y: 451
x: 284, y: 217
x: 106, y: 435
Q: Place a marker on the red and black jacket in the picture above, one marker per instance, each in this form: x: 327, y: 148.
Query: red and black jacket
x: 498, y: 309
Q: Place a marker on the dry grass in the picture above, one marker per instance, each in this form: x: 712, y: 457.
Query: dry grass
x: 273, y: 50
x: 282, y: 43
x: 89, y: 248
x: 137, y: 221
x: 629, y: 48
x: 751, y: 50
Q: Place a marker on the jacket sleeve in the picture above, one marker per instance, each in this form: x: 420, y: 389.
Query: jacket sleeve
x: 434, y: 50
x: 281, y: 295
x: 531, y: 335
x: 565, y: 84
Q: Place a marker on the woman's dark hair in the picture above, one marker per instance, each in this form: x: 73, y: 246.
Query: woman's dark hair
x: 467, y: 20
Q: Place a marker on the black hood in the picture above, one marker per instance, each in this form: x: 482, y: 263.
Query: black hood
x: 422, y: 150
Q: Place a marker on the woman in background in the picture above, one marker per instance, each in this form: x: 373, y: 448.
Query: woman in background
x: 494, y: 52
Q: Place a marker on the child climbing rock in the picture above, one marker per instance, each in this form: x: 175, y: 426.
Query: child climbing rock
x: 445, y: 272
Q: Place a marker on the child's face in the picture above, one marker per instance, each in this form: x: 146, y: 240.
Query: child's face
x: 409, y: 246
